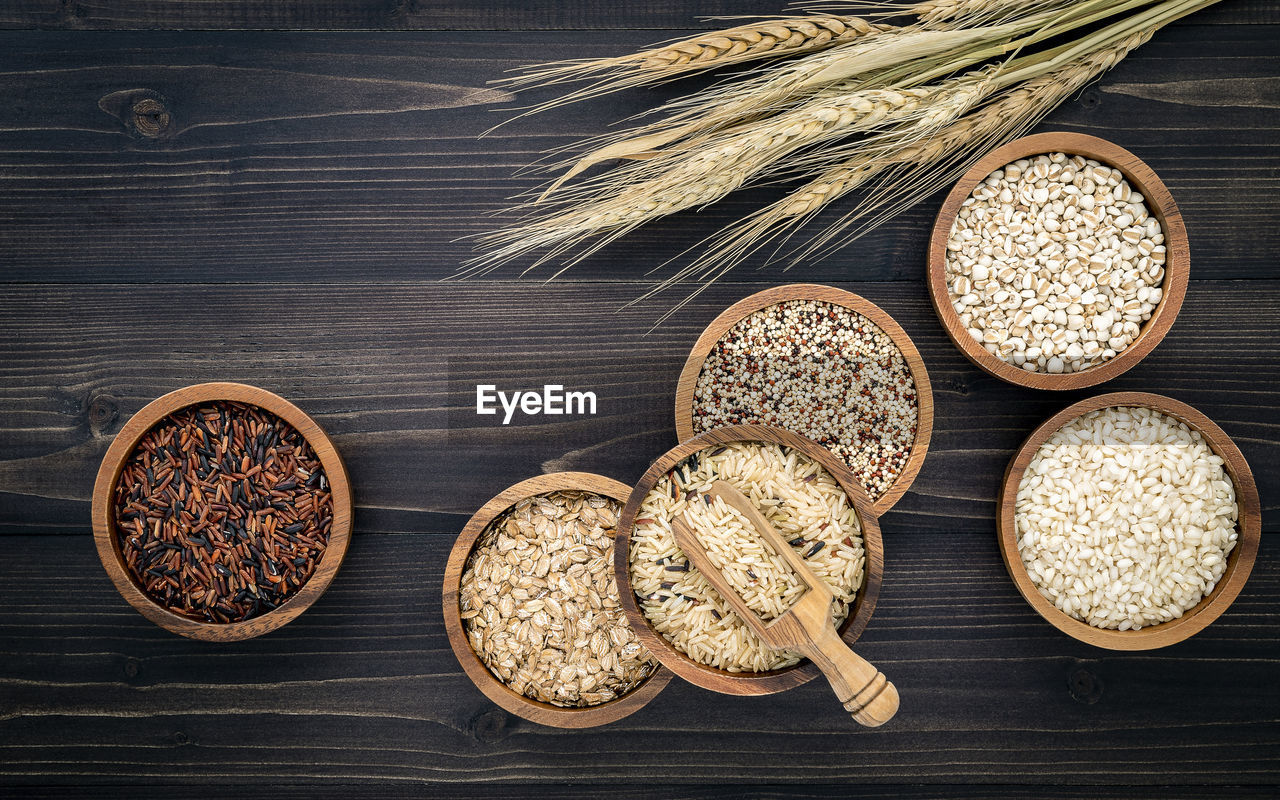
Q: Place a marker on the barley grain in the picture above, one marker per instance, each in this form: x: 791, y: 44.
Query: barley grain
x: 1125, y: 518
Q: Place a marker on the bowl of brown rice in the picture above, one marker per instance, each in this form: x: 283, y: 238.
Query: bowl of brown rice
x: 812, y: 499
x: 221, y: 511
x: 532, y: 609
x: 1129, y: 521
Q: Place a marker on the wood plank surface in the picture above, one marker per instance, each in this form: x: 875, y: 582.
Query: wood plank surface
x: 390, y: 372
x: 436, y: 14
x: 364, y: 686
x: 385, y: 14
x: 289, y: 226
x: 762, y: 791
x: 354, y: 157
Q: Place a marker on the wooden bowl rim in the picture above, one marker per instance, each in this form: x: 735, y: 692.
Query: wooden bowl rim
x: 123, y: 446
x: 740, y: 310
x: 1239, y: 563
x: 741, y: 683
x: 487, y: 682
x: 1159, y: 201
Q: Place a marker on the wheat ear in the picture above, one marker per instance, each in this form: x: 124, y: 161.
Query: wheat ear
x: 937, y: 160
x: 692, y: 119
x: 754, y: 41
x: 765, y: 39
x: 770, y: 38
x: 629, y: 197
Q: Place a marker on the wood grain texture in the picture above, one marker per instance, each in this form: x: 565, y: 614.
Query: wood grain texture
x: 364, y: 686
x: 277, y: 208
x: 1239, y: 563
x: 714, y: 678
x: 485, y: 681
x: 381, y: 370
x: 377, y: 14
x: 731, y: 316
x: 435, y: 14
x: 667, y: 791
x: 1158, y: 201
x: 107, y: 539
x: 353, y: 157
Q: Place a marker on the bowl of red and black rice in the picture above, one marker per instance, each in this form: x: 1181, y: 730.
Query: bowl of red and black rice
x: 221, y: 511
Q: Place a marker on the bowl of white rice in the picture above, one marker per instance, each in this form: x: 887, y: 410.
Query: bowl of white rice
x: 808, y: 495
x: 1129, y: 521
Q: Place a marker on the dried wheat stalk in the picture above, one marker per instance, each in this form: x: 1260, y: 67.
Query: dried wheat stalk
x: 766, y: 39
x: 963, y: 39
x: 970, y: 12
x: 754, y: 41
x: 732, y: 158
x: 771, y: 38
x: 935, y: 161
x: 895, y: 111
x: 687, y: 123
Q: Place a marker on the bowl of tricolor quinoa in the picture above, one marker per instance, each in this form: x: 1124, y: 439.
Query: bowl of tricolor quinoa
x: 805, y: 492
x: 825, y: 363
x: 1129, y: 521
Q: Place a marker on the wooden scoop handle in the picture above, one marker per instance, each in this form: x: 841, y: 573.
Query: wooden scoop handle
x: 807, y: 627
x: 864, y: 691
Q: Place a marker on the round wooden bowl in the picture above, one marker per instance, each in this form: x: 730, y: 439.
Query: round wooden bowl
x: 1176, y: 271
x: 748, y: 683
x: 104, y: 531
x: 1239, y: 562
x: 486, y: 681
x: 735, y: 313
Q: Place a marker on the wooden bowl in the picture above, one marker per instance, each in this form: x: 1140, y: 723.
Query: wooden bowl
x: 748, y: 683
x: 104, y: 531
x: 486, y: 681
x: 735, y: 313
x: 1158, y: 200
x: 1239, y: 562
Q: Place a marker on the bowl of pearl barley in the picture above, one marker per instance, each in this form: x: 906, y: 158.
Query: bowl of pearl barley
x: 1058, y: 261
x: 1129, y: 521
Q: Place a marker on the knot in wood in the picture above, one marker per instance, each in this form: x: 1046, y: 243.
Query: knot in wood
x: 150, y: 117
x: 1085, y: 687
x: 490, y: 726
x: 102, y: 411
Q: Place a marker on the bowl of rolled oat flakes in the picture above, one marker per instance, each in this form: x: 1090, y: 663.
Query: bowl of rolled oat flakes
x: 532, y: 609
x: 1059, y: 261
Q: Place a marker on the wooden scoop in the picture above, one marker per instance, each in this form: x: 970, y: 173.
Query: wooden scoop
x: 806, y: 627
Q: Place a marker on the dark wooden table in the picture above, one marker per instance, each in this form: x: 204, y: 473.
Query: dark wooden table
x: 287, y: 224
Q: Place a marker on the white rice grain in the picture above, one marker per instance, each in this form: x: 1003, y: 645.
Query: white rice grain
x: 1125, y: 518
